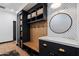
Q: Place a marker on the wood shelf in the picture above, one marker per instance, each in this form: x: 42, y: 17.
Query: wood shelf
x: 32, y: 46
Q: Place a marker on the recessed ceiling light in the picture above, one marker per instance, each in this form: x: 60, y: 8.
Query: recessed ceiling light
x: 55, y: 5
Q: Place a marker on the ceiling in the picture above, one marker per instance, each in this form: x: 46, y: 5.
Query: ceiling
x: 16, y: 7
x: 28, y: 6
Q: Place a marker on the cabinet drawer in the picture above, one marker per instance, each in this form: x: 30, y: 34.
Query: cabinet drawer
x: 49, y: 48
x: 65, y: 50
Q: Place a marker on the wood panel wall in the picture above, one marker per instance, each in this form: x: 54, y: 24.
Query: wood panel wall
x: 37, y: 30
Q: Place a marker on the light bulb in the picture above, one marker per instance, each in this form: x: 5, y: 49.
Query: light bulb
x: 55, y: 5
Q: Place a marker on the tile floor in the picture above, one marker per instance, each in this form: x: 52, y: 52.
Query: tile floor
x: 6, y: 47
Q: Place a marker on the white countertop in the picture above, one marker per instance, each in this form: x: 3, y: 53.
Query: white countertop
x: 64, y: 41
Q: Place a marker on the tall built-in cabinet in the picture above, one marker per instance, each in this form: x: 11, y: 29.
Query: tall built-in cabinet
x: 31, y: 25
x: 22, y: 28
x: 37, y: 18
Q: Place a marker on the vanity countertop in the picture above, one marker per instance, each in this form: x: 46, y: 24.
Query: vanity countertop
x: 64, y: 41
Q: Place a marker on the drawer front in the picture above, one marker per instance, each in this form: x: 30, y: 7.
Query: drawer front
x: 49, y: 48
x: 45, y: 48
x: 65, y: 50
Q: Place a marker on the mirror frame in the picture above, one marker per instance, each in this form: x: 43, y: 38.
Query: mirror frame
x: 62, y: 31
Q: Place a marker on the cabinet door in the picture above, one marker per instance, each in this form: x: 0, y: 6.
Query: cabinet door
x: 26, y: 28
x: 26, y: 32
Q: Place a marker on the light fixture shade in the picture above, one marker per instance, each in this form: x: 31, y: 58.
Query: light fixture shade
x: 55, y: 5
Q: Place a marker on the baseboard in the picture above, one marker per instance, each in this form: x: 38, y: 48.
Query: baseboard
x: 7, y: 41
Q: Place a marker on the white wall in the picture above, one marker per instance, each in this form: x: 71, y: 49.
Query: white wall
x: 71, y: 9
x: 78, y: 21
x: 6, y: 26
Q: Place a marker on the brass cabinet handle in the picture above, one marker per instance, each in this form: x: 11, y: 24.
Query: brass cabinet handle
x: 45, y: 45
x: 61, y: 50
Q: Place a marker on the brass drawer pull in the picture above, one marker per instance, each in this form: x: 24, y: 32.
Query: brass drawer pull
x: 45, y: 45
x: 61, y: 50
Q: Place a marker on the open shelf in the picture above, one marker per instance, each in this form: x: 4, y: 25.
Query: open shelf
x: 37, y: 13
x: 36, y: 20
x: 39, y: 16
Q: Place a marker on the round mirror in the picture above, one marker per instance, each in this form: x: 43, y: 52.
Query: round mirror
x: 60, y: 23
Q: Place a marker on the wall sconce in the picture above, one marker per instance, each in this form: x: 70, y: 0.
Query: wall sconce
x: 56, y: 5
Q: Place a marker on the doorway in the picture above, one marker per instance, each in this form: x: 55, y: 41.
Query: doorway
x: 14, y: 30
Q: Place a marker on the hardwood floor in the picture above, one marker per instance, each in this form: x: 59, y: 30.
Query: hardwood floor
x: 7, y: 47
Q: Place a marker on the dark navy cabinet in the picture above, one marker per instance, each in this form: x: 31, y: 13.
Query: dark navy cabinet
x: 26, y: 28
x: 23, y: 28
x: 55, y: 49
